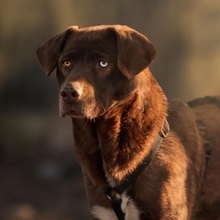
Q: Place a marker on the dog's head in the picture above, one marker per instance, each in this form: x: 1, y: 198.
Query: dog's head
x: 96, y: 66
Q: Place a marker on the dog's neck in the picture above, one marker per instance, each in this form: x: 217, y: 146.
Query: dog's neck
x: 127, y: 130
x: 124, y: 134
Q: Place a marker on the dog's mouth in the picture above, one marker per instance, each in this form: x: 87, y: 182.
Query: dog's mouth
x: 69, y: 109
x: 88, y: 110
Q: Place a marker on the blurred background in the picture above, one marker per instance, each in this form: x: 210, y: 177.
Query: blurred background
x: 39, y: 178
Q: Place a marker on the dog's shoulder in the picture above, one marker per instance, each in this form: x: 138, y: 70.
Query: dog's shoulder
x: 175, y: 105
x: 182, y: 121
x: 179, y: 113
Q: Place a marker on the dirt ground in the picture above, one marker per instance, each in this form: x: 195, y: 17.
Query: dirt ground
x: 32, y: 189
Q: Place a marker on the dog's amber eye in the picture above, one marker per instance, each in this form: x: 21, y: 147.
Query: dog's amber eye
x: 103, y: 64
x: 66, y: 63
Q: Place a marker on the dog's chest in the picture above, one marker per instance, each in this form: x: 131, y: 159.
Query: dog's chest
x: 127, y: 206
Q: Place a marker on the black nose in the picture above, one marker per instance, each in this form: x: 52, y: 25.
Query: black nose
x: 68, y: 93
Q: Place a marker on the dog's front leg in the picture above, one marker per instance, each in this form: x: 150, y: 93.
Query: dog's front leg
x: 99, y: 204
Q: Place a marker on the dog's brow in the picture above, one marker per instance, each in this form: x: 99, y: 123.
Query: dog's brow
x: 70, y: 54
x: 98, y: 54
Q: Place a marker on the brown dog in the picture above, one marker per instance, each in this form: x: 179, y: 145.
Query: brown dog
x: 132, y: 169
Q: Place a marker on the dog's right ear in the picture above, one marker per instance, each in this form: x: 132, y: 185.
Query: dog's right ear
x: 48, y: 53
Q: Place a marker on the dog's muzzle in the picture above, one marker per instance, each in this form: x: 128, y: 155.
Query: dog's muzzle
x: 70, y: 94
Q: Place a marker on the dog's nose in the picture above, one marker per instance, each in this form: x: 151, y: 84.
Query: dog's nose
x: 70, y: 92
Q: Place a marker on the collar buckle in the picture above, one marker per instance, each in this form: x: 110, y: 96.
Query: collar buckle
x: 165, y: 130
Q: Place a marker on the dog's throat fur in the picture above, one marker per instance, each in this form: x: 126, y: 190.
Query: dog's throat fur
x: 121, y: 137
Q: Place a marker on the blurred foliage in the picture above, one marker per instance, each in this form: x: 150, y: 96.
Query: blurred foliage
x: 186, y: 35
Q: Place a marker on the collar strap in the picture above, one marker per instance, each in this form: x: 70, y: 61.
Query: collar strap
x: 114, y: 193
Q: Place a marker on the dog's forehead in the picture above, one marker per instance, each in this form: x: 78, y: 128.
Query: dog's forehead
x: 89, y: 38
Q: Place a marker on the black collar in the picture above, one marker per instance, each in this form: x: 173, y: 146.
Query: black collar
x: 114, y: 193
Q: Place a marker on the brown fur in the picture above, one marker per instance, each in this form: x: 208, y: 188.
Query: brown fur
x: 117, y: 112
x: 207, y: 111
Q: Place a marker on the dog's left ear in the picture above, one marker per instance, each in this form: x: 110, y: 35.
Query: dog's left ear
x: 135, y: 51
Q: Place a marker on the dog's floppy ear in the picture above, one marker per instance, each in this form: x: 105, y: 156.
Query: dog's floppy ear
x: 135, y: 51
x: 48, y: 53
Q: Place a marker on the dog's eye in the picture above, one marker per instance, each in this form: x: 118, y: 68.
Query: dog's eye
x: 66, y: 63
x: 103, y: 64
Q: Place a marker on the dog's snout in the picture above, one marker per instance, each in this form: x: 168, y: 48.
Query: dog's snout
x: 71, y: 92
